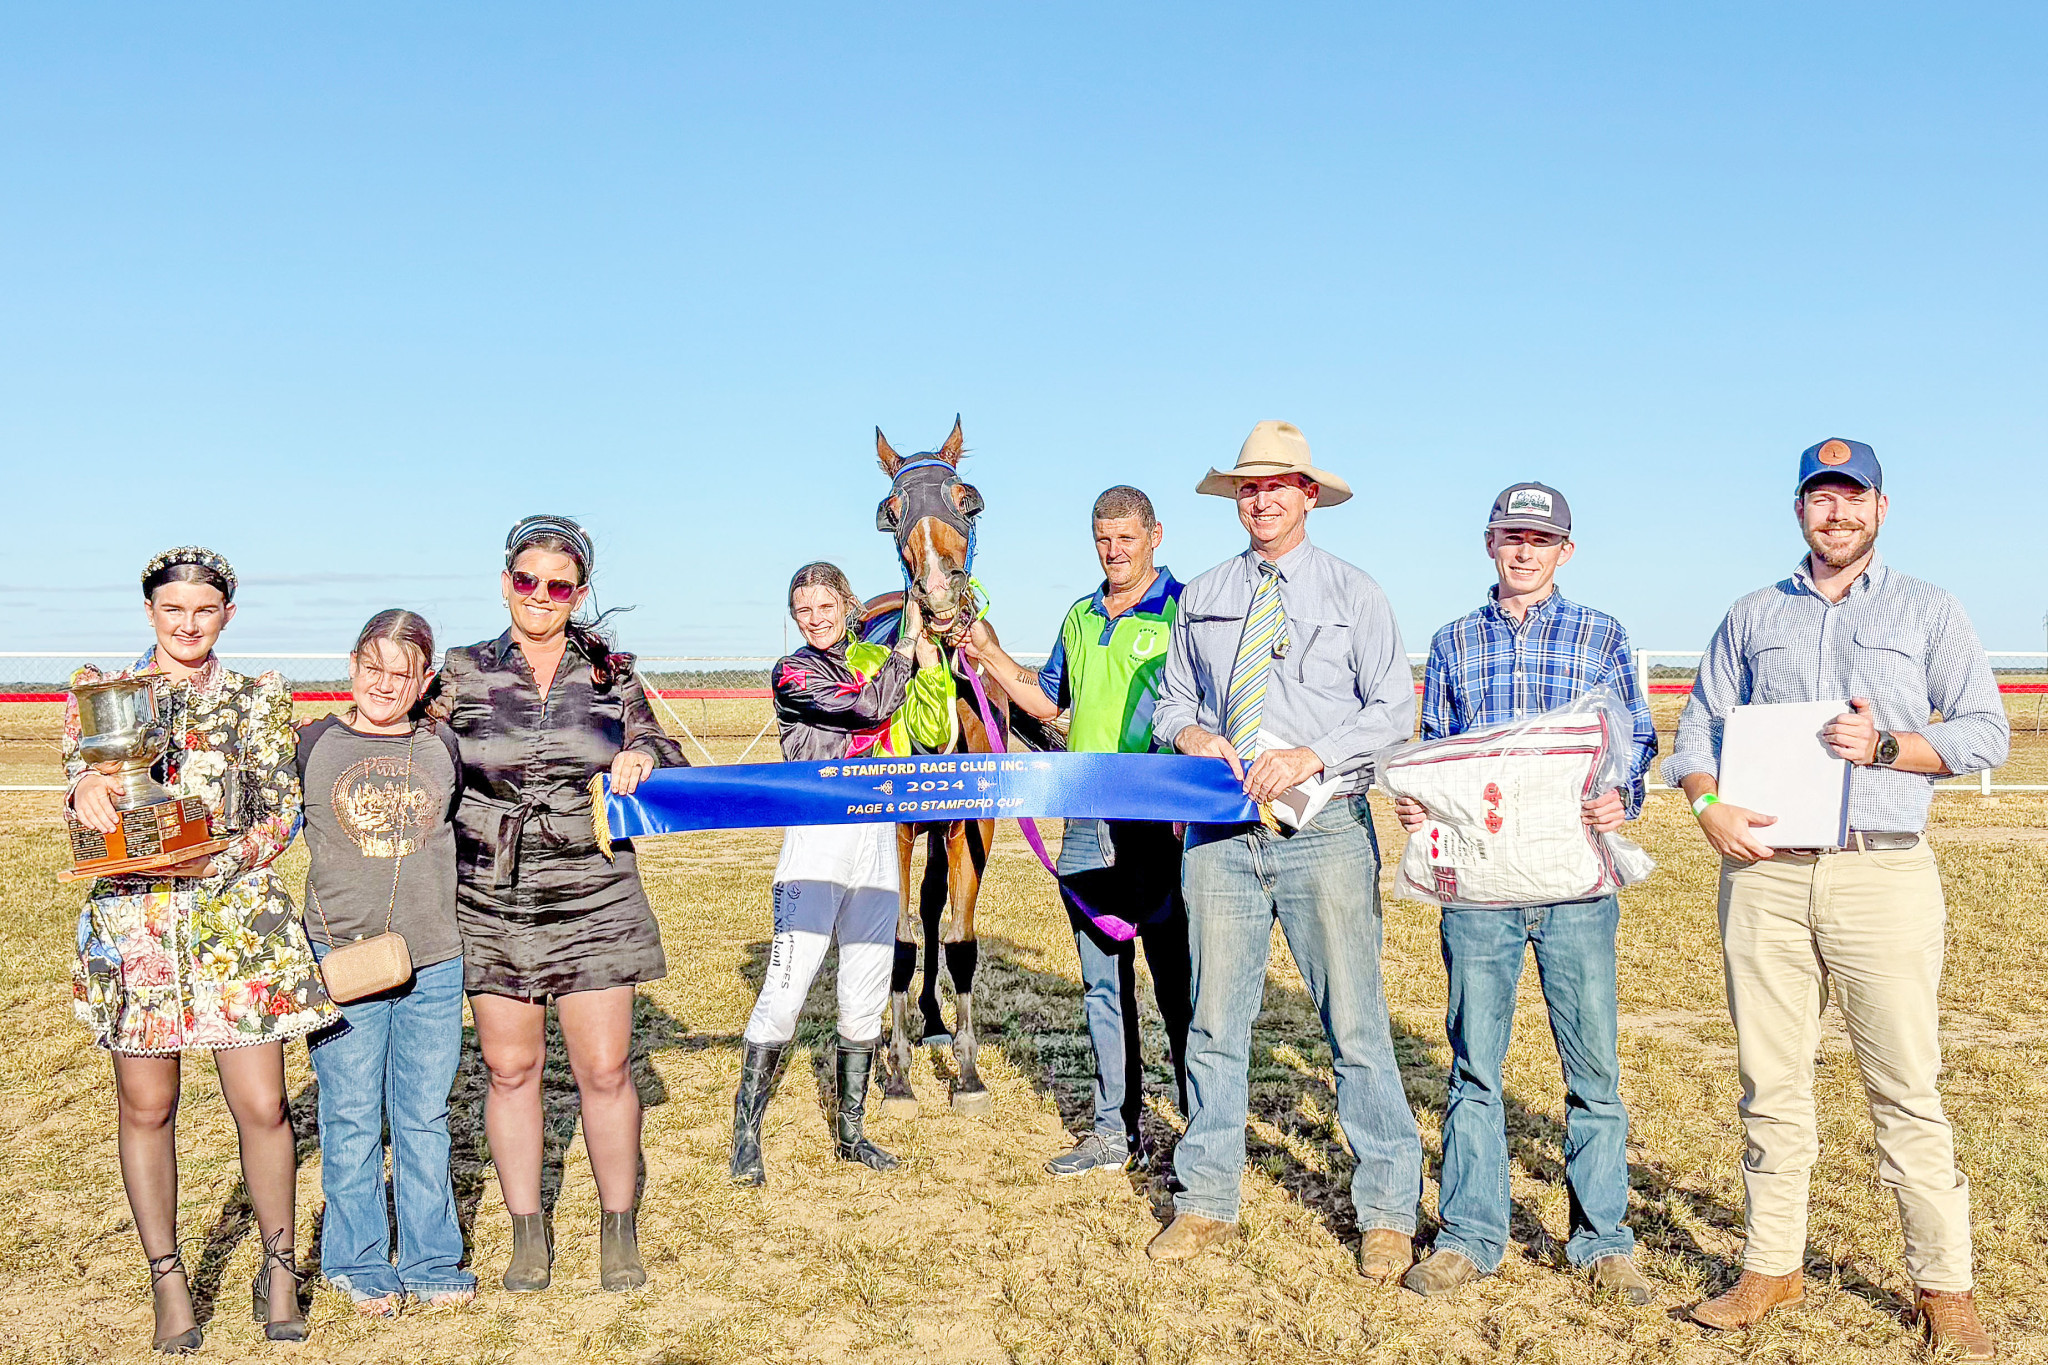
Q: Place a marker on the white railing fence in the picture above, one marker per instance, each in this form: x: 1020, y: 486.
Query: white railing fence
x: 707, y: 678
x: 2017, y: 670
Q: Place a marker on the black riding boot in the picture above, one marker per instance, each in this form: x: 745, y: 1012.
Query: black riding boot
x: 757, y: 1073
x: 856, y: 1060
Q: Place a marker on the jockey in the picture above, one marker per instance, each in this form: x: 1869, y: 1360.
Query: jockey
x: 854, y: 698
x: 838, y: 698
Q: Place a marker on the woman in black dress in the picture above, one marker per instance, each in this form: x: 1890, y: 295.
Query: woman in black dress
x: 545, y: 915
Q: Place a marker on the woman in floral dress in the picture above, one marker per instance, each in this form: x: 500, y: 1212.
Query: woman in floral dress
x: 209, y: 954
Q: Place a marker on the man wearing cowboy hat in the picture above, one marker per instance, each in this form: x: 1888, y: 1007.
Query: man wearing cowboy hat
x: 1287, y: 664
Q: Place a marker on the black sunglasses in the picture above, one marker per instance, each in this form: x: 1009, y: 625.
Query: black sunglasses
x: 525, y: 583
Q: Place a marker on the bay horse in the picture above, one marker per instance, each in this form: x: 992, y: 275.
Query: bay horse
x: 931, y: 512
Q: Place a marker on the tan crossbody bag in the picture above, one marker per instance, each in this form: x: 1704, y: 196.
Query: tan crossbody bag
x: 380, y: 962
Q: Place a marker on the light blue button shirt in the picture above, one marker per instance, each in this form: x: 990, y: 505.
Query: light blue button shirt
x: 1343, y: 688
x: 1905, y: 645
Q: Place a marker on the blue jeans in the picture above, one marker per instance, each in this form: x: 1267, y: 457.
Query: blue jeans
x: 1322, y: 882
x: 1483, y: 952
x: 392, y: 1055
x: 1109, y: 1000
x: 1137, y: 877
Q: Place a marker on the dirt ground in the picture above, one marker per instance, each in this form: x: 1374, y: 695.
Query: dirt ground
x: 971, y: 1253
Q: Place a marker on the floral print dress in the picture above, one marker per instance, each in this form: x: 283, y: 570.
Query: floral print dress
x: 171, y: 964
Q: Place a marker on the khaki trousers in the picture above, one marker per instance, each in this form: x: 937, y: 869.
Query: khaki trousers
x: 1869, y: 926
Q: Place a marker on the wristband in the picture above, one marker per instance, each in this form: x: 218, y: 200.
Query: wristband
x: 1706, y: 799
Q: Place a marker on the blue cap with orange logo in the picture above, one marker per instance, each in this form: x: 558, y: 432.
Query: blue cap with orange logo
x: 1851, y: 460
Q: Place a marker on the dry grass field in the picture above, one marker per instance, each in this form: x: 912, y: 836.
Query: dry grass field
x: 970, y: 1253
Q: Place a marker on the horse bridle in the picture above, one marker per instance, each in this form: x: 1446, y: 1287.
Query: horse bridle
x: 911, y: 501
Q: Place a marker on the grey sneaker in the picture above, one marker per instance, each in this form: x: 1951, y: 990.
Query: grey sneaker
x: 1097, y: 1151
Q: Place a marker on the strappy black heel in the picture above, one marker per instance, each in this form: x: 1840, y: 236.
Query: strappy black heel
x: 186, y: 1342
x: 279, y: 1256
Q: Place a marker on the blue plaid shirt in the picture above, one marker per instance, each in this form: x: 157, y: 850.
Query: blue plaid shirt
x: 1487, y: 668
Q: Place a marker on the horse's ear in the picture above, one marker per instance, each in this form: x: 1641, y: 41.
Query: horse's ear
x: 954, y: 445
x: 967, y: 498
x: 885, y: 455
x: 885, y: 514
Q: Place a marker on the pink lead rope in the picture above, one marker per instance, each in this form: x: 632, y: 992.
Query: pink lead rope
x: 995, y: 737
x: 1122, y: 930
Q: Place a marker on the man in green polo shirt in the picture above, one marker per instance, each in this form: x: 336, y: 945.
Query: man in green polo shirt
x: 1120, y: 879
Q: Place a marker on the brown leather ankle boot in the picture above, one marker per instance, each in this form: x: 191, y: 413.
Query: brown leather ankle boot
x: 1950, y: 1318
x: 1189, y: 1234
x: 1753, y: 1296
x: 1384, y: 1255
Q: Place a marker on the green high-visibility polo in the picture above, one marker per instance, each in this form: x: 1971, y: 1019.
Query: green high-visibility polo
x: 1108, y: 671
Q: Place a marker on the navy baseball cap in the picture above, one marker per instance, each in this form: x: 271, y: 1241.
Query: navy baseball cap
x: 1531, y: 507
x: 1852, y: 460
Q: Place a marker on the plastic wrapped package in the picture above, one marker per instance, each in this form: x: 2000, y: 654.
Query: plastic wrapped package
x: 1504, y: 824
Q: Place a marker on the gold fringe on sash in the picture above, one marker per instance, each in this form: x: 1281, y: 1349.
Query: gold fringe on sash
x: 600, y: 824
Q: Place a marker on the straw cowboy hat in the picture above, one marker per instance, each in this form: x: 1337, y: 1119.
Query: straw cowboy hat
x: 1272, y: 449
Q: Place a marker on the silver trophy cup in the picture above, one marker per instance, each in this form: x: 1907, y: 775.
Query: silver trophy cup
x: 118, y: 723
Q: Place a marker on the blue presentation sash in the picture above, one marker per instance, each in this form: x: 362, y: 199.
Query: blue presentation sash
x: 929, y: 787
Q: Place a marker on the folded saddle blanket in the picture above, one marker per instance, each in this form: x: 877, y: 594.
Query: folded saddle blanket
x: 1504, y: 825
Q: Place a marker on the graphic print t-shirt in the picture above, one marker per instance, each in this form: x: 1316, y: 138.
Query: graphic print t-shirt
x: 367, y: 806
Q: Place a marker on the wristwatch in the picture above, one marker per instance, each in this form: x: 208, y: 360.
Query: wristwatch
x: 1887, y: 750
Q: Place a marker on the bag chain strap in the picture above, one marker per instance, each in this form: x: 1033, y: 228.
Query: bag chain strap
x: 391, y: 910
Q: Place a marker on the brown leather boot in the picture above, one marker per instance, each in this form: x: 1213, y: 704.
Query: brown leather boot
x: 1445, y: 1272
x: 1753, y: 1296
x: 1385, y: 1255
x: 1618, y: 1275
x: 1189, y: 1234
x: 1950, y: 1318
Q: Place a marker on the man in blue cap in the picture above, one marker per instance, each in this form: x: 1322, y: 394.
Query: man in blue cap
x: 1527, y: 650
x: 1863, y: 922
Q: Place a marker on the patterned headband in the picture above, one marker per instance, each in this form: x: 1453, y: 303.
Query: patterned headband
x: 190, y: 554
x: 530, y: 529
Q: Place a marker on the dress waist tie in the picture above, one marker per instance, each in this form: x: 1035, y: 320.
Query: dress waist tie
x: 511, y: 831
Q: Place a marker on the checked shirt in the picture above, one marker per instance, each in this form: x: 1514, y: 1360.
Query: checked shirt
x: 1485, y: 668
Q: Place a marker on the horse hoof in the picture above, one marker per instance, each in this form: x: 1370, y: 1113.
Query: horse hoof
x: 899, y: 1106
x: 937, y: 1040
x: 973, y: 1103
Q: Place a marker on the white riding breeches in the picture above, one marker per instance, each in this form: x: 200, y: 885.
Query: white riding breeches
x: 831, y: 880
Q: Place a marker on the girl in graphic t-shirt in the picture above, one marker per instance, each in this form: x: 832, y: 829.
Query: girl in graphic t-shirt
x: 381, y: 784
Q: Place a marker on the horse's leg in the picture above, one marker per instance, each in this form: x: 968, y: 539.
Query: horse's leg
x: 898, y: 1099
x: 968, y: 844
x: 931, y: 906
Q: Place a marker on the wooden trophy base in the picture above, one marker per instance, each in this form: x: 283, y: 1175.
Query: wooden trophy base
x: 150, y: 837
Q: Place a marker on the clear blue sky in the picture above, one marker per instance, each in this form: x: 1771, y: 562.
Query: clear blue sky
x: 343, y: 290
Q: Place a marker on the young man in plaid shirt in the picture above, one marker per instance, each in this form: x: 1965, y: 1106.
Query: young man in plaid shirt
x: 1528, y: 650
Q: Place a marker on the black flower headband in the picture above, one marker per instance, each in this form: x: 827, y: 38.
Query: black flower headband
x: 190, y: 554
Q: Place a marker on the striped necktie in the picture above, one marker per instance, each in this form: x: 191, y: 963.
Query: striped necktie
x: 1265, y: 631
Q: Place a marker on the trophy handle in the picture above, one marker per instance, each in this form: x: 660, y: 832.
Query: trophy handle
x: 233, y: 793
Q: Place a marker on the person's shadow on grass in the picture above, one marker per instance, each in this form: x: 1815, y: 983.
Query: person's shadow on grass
x: 237, y: 1217
x: 1035, y: 1018
x: 654, y: 1030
